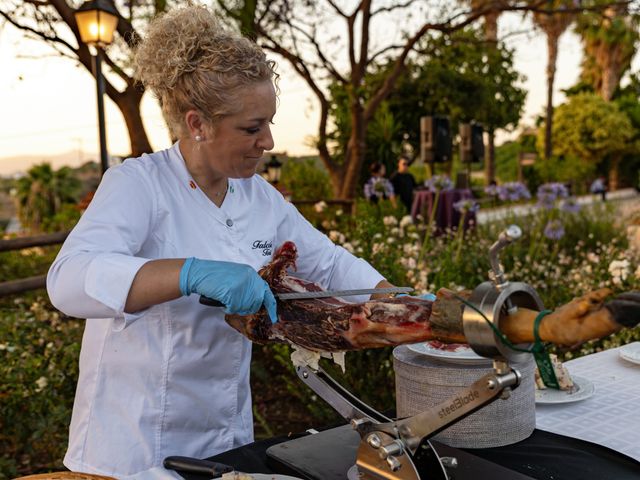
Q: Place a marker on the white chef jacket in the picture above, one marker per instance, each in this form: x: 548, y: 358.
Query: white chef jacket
x: 172, y: 379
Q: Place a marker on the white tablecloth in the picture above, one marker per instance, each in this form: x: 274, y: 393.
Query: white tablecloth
x: 611, y: 417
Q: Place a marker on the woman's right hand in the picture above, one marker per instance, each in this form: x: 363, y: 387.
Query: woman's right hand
x: 236, y: 285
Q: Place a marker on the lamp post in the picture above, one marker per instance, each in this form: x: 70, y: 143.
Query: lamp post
x: 97, y: 20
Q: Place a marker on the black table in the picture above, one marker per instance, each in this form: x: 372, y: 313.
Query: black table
x: 542, y: 456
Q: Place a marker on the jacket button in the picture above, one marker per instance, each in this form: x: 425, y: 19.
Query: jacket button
x: 229, y: 222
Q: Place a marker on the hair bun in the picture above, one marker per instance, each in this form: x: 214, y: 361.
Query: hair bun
x: 176, y: 43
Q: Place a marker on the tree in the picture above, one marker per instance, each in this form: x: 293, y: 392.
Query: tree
x: 458, y: 75
x: 491, y: 12
x: 592, y: 130
x: 298, y: 32
x: 52, y: 21
x: 553, y: 23
x: 43, y: 192
x: 465, y: 77
x: 610, y: 37
x: 627, y: 99
x: 491, y: 37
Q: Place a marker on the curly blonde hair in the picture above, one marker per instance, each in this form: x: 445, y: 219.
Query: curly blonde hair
x: 189, y: 60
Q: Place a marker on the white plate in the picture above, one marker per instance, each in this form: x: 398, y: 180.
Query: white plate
x: 461, y: 355
x: 631, y: 352
x: 585, y: 389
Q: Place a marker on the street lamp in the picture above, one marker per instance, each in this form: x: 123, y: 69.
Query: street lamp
x: 272, y: 170
x: 97, y: 20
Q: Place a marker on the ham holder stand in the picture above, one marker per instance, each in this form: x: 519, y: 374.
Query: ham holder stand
x: 400, y: 449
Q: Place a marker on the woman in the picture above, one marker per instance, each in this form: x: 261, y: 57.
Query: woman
x: 378, y: 186
x: 161, y: 374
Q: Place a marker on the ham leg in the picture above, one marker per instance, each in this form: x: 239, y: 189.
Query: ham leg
x: 334, y: 325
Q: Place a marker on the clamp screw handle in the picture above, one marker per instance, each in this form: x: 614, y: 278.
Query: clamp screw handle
x: 394, y: 464
x: 374, y: 441
x: 394, y: 448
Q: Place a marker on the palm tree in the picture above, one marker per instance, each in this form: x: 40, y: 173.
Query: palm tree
x: 42, y: 192
x: 610, y: 42
x: 553, y: 22
x: 493, y: 11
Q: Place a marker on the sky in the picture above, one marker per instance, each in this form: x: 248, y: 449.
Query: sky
x: 48, y: 103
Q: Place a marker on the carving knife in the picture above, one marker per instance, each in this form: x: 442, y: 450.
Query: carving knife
x: 321, y: 294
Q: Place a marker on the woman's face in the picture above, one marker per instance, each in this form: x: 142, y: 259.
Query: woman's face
x: 238, y: 141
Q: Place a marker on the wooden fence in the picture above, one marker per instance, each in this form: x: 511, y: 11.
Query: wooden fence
x: 39, y: 281
x: 30, y: 283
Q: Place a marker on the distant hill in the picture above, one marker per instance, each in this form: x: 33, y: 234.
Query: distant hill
x: 22, y: 163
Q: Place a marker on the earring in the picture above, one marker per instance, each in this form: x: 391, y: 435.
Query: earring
x: 198, y: 138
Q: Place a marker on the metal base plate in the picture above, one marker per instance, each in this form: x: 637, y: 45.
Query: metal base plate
x: 331, y: 455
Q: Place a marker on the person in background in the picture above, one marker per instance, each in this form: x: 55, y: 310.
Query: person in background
x: 599, y: 186
x: 161, y: 374
x: 378, y: 187
x: 404, y: 183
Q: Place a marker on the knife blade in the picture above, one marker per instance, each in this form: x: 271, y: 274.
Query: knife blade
x: 321, y: 294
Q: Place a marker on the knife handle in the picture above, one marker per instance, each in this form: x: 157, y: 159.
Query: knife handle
x: 195, y: 465
x: 210, y: 302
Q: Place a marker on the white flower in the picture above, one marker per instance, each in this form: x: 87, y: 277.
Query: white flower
x: 406, y: 221
x: 619, y: 270
x: 395, y: 231
x: 409, y: 262
x: 391, y: 240
x: 41, y: 383
x: 339, y: 212
x: 592, y: 257
x: 377, y: 248
x: 390, y: 220
x: 348, y: 247
x: 320, y: 206
x: 377, y: 235
x: 336, y: 236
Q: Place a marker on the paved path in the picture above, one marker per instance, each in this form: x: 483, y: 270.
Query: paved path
x: 626, y: 197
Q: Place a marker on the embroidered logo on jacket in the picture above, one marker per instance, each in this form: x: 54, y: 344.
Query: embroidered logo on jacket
x: 265, y: 245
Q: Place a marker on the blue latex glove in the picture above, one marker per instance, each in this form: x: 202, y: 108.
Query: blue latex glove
x: 237, y: 286
x: 425, y: 296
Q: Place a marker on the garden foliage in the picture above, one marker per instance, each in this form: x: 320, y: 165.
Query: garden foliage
x: 565, y: 251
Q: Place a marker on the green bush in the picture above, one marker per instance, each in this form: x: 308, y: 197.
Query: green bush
x: 306, y: 179
x: 26, y: 263
x: 38, y: 373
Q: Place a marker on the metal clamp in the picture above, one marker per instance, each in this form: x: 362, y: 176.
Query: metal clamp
x: 495, y: 300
